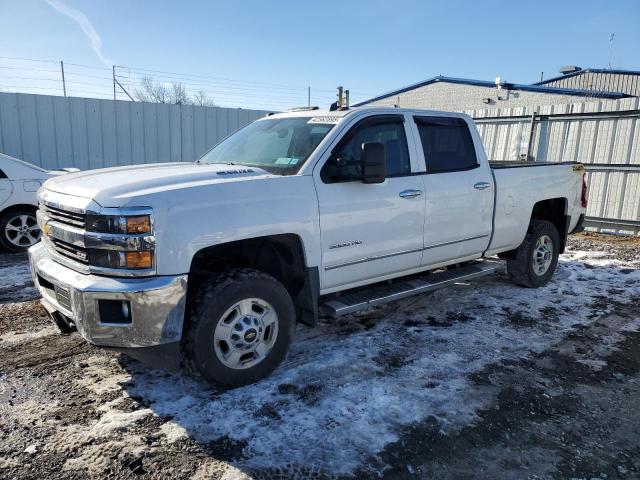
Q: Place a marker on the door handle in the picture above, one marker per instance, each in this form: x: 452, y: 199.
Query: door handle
x: 481, y: 185
x: 410, y: 193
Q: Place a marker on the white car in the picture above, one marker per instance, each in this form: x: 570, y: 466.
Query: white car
x: 19, y: 184
x: 212, y: 263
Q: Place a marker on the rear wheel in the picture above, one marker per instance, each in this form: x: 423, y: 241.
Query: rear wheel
x: 534, y: 262
x: 240, y: 328
x: 19, y: 230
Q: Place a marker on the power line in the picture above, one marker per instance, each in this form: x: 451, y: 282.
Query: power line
x: 28, y: 59
x: 185, y: 75
x: 220, y: 89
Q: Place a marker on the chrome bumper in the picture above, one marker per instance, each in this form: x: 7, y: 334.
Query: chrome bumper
x: 157, y: 303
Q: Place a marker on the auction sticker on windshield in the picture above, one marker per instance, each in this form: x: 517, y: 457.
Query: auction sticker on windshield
x: 330, y: 120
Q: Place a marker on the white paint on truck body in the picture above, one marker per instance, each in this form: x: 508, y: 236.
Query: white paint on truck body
x: 196, y: 206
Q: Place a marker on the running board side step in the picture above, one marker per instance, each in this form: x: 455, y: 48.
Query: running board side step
x: 379, y: 295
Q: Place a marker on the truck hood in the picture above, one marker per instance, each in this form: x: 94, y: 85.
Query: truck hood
x: 113, y: 187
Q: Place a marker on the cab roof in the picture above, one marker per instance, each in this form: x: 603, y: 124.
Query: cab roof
x: 339, y: 114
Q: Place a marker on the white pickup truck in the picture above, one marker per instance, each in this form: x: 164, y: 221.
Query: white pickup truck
x: 211, y: 264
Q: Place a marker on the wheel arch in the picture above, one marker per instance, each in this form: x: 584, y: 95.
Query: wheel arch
x: 282, y: 256
x: 18, y: 206
x: 554, y: 210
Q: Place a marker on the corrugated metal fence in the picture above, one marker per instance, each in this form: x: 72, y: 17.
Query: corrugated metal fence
x: 87, y: 133
x: 604, y: 135
x: 56, y: 132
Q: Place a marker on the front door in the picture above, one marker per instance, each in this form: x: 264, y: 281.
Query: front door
x: 370, y: 230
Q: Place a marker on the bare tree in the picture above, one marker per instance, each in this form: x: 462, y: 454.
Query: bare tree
x: 150, y: 92
x: 179, y: 94
x: 202, y: 99
x: 174, y: 93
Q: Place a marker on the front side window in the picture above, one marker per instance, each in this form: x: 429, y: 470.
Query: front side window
x: 388, y: 132
x: 447, y: 144
x: 278, y: 145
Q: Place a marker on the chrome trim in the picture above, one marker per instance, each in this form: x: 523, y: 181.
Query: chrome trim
x: 404, y: 252
x: 481, y: 185
x: 88, y: 269
x: 477, y: 237
x: 110, y: 241
x: 70, y: 208
x: 115, y: 211
x: 410, y: 193
x: 369, y: 259
x: 157, y: 303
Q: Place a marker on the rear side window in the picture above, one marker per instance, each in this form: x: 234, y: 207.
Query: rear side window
x: 447, y: 144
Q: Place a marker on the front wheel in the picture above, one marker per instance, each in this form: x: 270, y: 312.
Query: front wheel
x: 240, y: 328
x: 534, y: 261
x: 19, y: 230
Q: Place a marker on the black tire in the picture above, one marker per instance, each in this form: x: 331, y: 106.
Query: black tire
x: 521, y: 266
x: 12, y: 216
x: 211, y: 302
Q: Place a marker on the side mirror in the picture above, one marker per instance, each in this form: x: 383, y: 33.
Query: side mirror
x: 374, y: 167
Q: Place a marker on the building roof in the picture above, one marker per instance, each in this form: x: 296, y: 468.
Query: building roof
x: 505, y: 85
x: 588, y: 70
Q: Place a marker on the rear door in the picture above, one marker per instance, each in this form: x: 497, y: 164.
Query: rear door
x: 370, y: 230
x: 458, y: 189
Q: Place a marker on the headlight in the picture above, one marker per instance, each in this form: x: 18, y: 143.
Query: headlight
x: 120, y: 241
x: 125, y: 224
x: 133, y: 260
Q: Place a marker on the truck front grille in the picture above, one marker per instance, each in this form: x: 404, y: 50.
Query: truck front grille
x: 66, y: 217
x: 68, y: 250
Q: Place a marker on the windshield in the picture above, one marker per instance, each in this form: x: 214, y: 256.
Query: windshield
x: 278, y: 145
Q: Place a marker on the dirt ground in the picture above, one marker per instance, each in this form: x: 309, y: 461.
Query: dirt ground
x: 482, y: 380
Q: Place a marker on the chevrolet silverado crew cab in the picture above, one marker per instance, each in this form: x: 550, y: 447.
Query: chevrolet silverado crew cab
x: 211, y: 264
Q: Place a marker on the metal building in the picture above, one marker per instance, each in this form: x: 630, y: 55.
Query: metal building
x: 455, y: 94
x: 596, y: 80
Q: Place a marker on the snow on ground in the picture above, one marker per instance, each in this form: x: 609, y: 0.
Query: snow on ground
x: 350, y: 385
x: 10, y: 338
x: 15, y: 279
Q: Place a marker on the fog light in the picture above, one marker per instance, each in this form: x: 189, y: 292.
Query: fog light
x: 142, y: 259
x: 114, y: 312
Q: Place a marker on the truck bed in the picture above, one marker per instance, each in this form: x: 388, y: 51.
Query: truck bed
x: 518, y: 189
x: 497, y: 164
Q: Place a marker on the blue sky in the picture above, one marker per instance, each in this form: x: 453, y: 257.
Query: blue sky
x: 265, y: 53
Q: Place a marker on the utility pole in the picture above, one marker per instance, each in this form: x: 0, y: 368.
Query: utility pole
x: 308, y: 97
x: 114, y: 81
x: 611, y: 35
x: 64, y: 84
